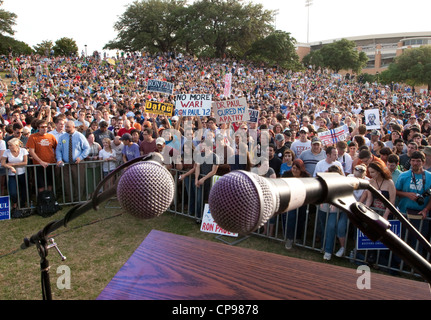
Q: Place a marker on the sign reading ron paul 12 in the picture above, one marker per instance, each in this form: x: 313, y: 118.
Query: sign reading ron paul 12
x: 209, y: 225
x: 193, y: 105
x: 363, y: 243
x: 4, y: 208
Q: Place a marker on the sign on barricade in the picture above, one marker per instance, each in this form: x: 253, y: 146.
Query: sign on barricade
x: 155, y: 107
x: 363, y: 243
x: 193, y: 105
x: 235, y: 110
x: 160, y: 86
x: 4, y: 208
x: 210, y: 226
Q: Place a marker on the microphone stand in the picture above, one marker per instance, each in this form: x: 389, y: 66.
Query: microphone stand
x: 40, y: 239
x: 374, y: 226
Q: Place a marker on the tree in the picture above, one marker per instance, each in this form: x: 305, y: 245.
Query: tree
x: 44, y: 48
x: 413, y: 67
x: 150, y: 25
x: 221, y: 28
x: 341, y: 55
x: 276, y: 49
x: 7, y: 21
x: 213, y: 28
x: 65, y: 47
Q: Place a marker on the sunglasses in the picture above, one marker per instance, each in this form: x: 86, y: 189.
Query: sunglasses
x: 359, y: 170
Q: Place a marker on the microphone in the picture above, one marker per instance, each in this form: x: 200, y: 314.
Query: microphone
x: 145, y: 190
x: 241, y: 201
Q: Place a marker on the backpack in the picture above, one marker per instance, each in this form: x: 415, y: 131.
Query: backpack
x: 47, y: 204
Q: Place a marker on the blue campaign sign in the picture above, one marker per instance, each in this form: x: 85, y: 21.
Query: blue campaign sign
x: 4, y: 208
x: 363, y: 243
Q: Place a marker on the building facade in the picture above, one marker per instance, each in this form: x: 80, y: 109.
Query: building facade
x: 381, y: 49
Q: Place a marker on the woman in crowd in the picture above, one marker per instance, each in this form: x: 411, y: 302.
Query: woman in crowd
x: 297, y: 171
x: 381, y: 179
x: 15, y: 159
x: 108, y: 155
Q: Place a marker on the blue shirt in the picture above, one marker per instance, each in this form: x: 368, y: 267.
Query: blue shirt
x: 80, y: 147
x: 406, y: 183
x: 131, y: 152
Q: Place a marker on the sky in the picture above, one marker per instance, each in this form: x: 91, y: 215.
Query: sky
x: 91, y: 22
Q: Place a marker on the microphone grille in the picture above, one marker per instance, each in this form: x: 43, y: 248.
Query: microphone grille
x: 146, y: 189
x: 241, y: 202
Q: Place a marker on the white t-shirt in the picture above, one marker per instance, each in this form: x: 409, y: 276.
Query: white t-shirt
x: 2, y: 147
x: 298, y: 147
x: 323, y: 165
x: 108, y: 165
x: 11, y: 159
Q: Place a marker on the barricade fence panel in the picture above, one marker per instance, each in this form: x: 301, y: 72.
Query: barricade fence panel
x: 306, y: 227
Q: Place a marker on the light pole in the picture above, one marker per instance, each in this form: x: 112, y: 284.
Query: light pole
x: 308, y: 4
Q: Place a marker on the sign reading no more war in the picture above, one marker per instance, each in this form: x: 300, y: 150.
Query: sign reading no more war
x: 193, y: 105
x: 160, y: 86
x: 235, y: 110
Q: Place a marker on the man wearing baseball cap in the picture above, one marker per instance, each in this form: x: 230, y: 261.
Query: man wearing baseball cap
x: 302, y: 144
x: 131, y: 149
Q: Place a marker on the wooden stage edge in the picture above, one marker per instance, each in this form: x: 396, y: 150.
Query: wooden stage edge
x: 171, y: 267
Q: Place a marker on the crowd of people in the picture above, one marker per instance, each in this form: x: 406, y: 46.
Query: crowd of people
x: 73, y: 110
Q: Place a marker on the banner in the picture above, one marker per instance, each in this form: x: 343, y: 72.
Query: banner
x: 372, y: 119
x: 160, y: 86
x: 193, y: 105
x: 332, y: 136
x: 155, y: 107
x: 235, y: 110
x: 4, y: 208
x: 210, y: 226
x: 227, y: 85
x: 254, y: 115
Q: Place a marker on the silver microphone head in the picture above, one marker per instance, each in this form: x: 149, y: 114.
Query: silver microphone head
x: 241, y: 202
x: 146, y: 189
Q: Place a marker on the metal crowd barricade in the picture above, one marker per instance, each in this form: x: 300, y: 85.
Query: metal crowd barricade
x: 310, y: 237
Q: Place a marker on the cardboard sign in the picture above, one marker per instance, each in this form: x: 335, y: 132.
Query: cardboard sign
x: 160, y: 86
x: 210, y: 226
x: 235, y: 110
x: 193, y: 105
x: 363, y: 243
x: 332, y: 136
x: 254, y: 115
x: 372, y: 119
x: 155, y: 107
x: 4, y: 208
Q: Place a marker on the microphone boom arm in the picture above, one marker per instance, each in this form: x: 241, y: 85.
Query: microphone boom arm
x: 374, y: 226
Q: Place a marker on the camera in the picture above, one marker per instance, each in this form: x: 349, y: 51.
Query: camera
x: 421, y: 197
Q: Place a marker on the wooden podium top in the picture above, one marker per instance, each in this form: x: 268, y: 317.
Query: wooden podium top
x: 172, y: 267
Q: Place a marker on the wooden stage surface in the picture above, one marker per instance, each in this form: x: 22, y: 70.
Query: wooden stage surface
x: 171, y: 267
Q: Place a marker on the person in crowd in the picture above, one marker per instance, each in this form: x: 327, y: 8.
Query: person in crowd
x: 102, y: 132
x: 93, y: 175
x: 296, y: 171
x: 366, y: 157
x: 72, y: 149
x: 59, y: 122
x: 274, y: 161
x: 393, y: 166
x: 41, y: 147
x: 148, y: 145
x: 109, y: 158
x: 405, y: 157
x: 330, y: 160
x: 343, y: 157
x: 288, y: 157
x: 414, y: 203
x: 206, y: 167
x: 2, y: 169
x: 333, y: 222
x: 381, y: 179
x: 15, y: 160
x: 131, y: 149
x: 312, y: 156
x: 302, y: 144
